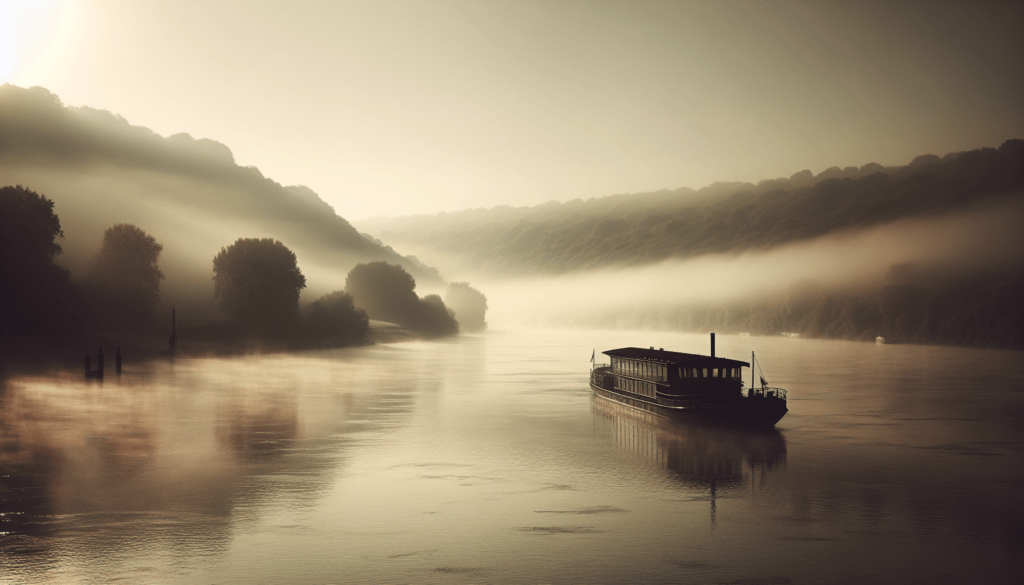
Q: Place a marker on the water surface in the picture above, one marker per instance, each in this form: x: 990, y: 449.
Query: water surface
x: 485, y: 459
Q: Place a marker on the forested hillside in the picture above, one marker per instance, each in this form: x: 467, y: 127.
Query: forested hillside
x: 99, y: 170
x: 643, y: 228
x: 970, y: 299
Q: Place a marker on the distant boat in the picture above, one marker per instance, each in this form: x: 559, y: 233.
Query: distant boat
x: 744, y: 334
x: 687, y: 386
x: 881, y: 340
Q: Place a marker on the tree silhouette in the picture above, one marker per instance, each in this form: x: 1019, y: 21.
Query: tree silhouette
x: 387, y: 293
x: 469, y: 304
x: 335, y: 316
x: 434, y: 319
x: 258, y: 283
x: 124, y: 279
x: 36, y: 295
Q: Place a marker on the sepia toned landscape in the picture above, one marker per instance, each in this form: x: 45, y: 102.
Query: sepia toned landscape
x: 363, y: 292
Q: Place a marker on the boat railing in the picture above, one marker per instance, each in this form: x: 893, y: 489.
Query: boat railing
x: 602, y: 378
x: 766, y: 392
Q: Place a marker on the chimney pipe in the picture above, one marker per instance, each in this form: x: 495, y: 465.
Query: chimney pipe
x: 712, y: 345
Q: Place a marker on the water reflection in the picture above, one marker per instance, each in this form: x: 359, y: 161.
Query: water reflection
x: 459, y: 460
x: 175, y: 458
x: 697, y: 456
x: 257, y: 430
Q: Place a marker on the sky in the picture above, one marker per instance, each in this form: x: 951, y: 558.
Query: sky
x: 398, y: 108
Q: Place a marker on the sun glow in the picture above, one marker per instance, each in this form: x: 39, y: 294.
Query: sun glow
x: 34, y: 35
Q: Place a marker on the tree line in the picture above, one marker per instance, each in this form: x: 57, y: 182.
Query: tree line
x: 257, y: 283
x: 646, y: 228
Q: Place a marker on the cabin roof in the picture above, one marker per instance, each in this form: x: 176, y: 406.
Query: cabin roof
x: 670, y: 357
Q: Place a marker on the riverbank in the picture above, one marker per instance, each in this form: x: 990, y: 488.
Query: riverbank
x: 204, y: 339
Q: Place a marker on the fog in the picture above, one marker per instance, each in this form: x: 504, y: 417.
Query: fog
x: 946, y: 272
x: 396, y: 107
x: 959, y: 246
x: 189, y: 194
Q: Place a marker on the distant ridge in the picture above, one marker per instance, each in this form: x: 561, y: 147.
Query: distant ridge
x: 644, y: 228
x: 189, y: 193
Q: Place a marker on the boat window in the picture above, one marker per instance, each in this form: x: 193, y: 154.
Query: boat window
x: 705, y: 372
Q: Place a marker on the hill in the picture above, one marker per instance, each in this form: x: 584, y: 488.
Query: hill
x: 188, y: 193
x: 644, y: 228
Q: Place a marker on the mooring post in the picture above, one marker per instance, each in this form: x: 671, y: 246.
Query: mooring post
x: 99, y: 362
x: 117, y: 361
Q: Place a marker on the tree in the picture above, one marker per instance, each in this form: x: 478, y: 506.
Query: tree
x: 124, y: 278
x: 387, y: 293
x: 469, y: 304
x: 335, y: 316
x: 258, y: 283
x: 36, y: 295
x: 434, y: 319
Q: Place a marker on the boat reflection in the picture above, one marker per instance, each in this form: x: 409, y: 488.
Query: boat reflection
x: 698, y: 456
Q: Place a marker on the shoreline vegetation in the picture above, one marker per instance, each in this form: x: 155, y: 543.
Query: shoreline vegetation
x: 257, y: 283
x: 142, y: 215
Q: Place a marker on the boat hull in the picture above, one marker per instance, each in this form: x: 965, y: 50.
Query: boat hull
x: 757, y: 412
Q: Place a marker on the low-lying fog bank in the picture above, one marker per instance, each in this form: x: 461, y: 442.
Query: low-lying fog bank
x: 954, y: 279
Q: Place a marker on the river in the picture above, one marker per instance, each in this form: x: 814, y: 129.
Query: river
x: 486, y: 459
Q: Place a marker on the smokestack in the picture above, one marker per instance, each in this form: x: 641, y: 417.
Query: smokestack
x: 712, y: 345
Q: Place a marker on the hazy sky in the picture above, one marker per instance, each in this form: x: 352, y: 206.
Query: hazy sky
x: 411, y: 107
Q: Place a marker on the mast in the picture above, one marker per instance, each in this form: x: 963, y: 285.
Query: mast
x: 752, y: 362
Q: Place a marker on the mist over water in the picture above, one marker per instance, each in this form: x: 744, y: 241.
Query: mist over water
x: 984, y: 240
x: 485, y: 458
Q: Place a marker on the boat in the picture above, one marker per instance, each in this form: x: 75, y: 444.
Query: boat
x: 688, y: 386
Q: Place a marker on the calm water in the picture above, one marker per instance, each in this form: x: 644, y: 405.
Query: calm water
x: 485, y: 459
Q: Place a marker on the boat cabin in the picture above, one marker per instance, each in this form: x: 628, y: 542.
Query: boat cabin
x: 648, y: 372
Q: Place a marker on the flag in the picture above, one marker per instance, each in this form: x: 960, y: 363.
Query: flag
x: 593, y: 353
x: 763, y: 382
